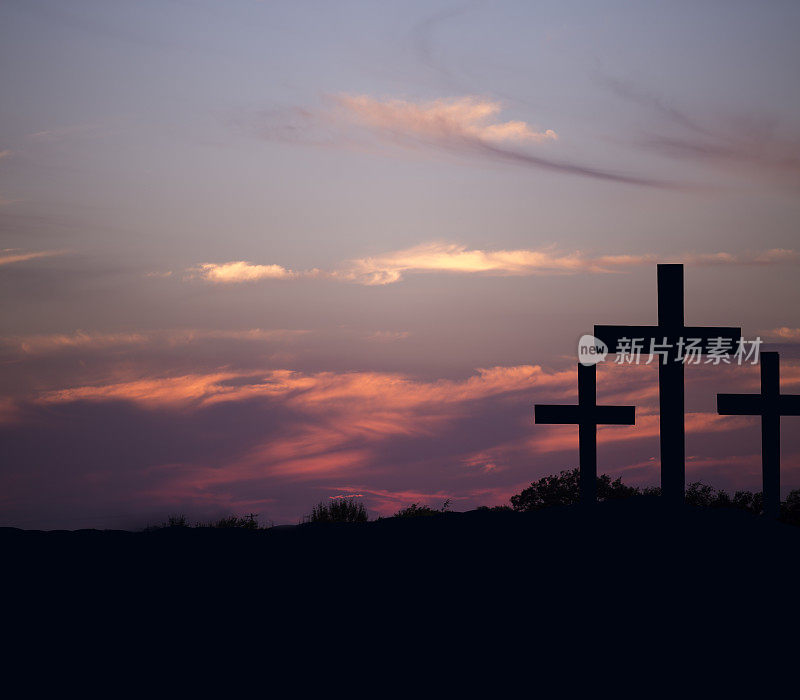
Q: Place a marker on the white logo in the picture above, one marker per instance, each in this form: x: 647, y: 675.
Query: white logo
x: 591, y: 350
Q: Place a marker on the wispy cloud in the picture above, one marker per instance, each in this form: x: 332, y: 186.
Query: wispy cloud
x: 468, y: 127
x: 451, y: 257
x: 446, y: 257
x: 9, y: 256
x: 441, y: 121
x: 39, y: 344
x: 63, y: 132
x: 751, y: 145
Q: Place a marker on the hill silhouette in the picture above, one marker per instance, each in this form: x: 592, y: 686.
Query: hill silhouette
x: 631, y: 547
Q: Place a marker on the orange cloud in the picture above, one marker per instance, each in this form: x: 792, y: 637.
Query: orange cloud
x: 451, y: 257
x: 783, y: 333
x: 241, y: 271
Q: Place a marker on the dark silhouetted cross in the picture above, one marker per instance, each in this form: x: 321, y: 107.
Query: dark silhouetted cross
x: 588, y: 415
x: 770, y: 404
x: 669, y: 331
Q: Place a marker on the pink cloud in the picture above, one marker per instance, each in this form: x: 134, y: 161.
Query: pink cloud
x: 440, y: 120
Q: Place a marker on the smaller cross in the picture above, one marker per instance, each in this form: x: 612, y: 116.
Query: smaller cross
x: 588, y: 415
x: 770, y: 404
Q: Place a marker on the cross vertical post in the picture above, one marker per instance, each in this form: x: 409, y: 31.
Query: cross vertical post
x: 587, y: 432
x: 671, y: 401
x: 771, y: 434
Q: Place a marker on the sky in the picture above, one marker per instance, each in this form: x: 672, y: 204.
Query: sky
x: 256, y: 255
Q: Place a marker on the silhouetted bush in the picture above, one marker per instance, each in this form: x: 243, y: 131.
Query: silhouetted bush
x: 340, y: 510
x: 416, y: 510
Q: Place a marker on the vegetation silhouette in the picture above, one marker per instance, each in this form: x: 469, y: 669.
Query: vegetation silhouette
x: 417, y: 510
x: 563, y: 489
x: 339, y: 510
x: 241, y: 522
x: 551, y: 491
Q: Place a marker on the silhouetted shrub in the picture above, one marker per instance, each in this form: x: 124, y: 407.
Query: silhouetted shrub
x: 244, y: 522
x: 700, y: 494
x: 563, y: 489
x: 176, y: 521
x: 749, y: 501
x: 650, y: 491
x: 416, y: 510
x: 608, y: 490
x: 340, y: 510
x: 704, y: 496
x: 790, y: 508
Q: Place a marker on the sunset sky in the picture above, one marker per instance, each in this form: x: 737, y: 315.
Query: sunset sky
x: 254, y: 255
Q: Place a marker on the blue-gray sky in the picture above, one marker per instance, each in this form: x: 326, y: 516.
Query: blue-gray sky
x: 255, y: 254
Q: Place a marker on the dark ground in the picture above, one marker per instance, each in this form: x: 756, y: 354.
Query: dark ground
x: 629, y: 549
x: 616, y: 583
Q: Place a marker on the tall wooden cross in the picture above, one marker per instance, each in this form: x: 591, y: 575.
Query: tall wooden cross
x: 588, y: 415
x: 667, y: 334
x: 770, y: 404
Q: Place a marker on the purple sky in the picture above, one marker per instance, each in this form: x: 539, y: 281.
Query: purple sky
x: 258, y: 254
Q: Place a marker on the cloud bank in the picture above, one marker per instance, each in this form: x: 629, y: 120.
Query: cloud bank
x: 293, y: 436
